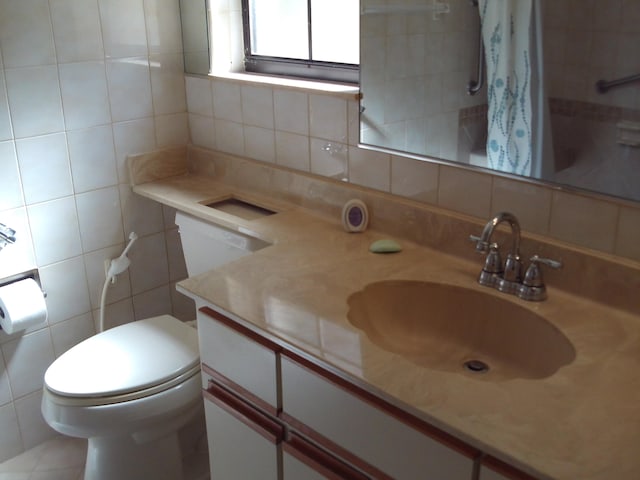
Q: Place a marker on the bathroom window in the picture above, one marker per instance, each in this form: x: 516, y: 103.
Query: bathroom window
x: 316, y: 39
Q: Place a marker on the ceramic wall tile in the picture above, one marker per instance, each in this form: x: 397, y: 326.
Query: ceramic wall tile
x: 10, y: 185
x: 177, y: 264
x: 130, y: 138
x: 172, y: 130
x: 257, y: 106
x: 129, y: 88
x: 20, y: 256
x: 329, y: 159
x: 227, y: 101
x: 117, y: 313
x: 202, y: 131
x: 152, y: 302
x: 10, y: 441
x: 92, y: 156
x: 55, y: 231
x: 139, y: 214
x: 71, y: 332
x: 100, y: 231
x: 149, y: 266
x: 291, y: 111
x: 530, y: 203
x: 44, y: 167
x: 167, y: 84
x: 33, y: 429
x: 414, y: 179
x: 370, y: 169
x: 198, y: 96
x: 124, y: 35
x: 25, y: 33
x: 27, y: 358
x: 34, y: 100
x: 229, y: 137
x: 95, y: 267
x: 465, y: 191
x: 66, y: 286
x: 84, y: 95
x: 77, y: 31
x: 292, y: 151
x: 328, y: 118
x: 164, y: 31
x: 583, y: 220
x: 259, y: 143
x: 6, y: 132
x: 5, y: 388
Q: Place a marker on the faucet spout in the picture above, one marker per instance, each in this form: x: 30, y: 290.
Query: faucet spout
x: 485, y: 238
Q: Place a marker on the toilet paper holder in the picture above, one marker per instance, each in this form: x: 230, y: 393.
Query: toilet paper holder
x: 32, y: 274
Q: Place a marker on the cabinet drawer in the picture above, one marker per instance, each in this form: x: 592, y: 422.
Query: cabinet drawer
x: 369, y: 429
x: 239, y: 358
x: 244, y: 444
x: 493, y: 469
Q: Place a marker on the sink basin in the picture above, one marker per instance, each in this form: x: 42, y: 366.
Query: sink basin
x: 456, y: 329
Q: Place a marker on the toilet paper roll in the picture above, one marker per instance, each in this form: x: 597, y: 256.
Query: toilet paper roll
x: 22, y: 306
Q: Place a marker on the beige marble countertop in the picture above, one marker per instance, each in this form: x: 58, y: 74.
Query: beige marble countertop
x: 583, y: 422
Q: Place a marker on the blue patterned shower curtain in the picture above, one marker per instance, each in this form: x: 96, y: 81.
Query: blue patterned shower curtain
x: 514, y: 86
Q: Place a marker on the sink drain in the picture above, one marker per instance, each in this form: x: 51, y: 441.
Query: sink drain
x: 476, y: 366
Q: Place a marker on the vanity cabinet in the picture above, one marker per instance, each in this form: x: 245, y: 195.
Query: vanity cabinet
x: 272, y: 413
x: 494, y: 469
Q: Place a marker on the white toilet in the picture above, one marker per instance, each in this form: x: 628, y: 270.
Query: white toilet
x: 128, y: 390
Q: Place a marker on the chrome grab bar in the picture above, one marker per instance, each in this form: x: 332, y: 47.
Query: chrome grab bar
x: 474, y: 86
x: 7, y: 235
x: 602, y: 86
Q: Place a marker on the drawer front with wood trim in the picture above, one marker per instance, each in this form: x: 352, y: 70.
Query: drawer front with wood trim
x: 368, y: 430
x: 302, y: 460
x: 494, y: 469
x: 239, y: 358
x: 244, y: 443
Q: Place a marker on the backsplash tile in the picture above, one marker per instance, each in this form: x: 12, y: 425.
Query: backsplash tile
x: 465, y: 191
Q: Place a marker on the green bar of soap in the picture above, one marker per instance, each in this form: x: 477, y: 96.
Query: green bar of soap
x: 385, y: 246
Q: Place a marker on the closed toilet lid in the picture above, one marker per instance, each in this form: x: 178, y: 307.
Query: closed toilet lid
x: 125, y: 359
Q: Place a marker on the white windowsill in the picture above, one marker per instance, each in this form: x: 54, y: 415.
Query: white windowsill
x: 348, y: 91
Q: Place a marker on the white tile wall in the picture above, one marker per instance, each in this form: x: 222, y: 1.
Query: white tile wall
x: 83, y: 84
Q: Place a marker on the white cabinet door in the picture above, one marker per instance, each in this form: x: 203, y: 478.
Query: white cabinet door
x: 370, y: 433
x: 243, y: 443
x: 240, y: 356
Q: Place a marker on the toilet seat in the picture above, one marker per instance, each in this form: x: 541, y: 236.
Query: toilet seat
x: 127, y: 362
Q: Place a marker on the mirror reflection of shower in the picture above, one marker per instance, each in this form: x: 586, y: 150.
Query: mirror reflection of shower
x: 537, y: 113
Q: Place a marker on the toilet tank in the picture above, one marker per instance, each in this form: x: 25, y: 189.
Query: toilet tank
x: 207, y: 246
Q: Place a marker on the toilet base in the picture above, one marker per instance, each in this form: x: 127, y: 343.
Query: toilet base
x: 121, y: 458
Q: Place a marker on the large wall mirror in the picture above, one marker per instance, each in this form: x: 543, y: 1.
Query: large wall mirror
x: 508, y: 85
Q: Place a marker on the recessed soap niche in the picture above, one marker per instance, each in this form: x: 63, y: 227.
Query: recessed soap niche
x: 239, y: 208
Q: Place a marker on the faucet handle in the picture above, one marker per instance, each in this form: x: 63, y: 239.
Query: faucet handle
x: 481, y: 245
x: 533, y: 287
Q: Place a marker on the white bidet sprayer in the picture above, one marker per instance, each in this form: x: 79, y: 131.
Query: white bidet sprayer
x: 116, y: 267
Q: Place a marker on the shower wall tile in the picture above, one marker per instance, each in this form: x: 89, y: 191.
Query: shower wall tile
x: 164, y: 31
x: 84, y: 94
x: 66, y: 286
x: 34, y: 100
x: 5, y: 120
x: 100, y: 231
x: 76, y: 30
x: 10, y: 441
x: 129, y: 88
x: 124, y: 34
x: 25, y: 33
x: 71, y: 332
x: 92, y: 157
x: 33, y: 428
x: 55, y: 231
x: 44, y: 167
x: 10, y: 185
x: 95, y: 268
x: 27, y: 358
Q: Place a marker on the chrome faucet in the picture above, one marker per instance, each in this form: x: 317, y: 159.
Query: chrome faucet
x: 505, y: 279
x: 7, y: 235
x: 508, y: 279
